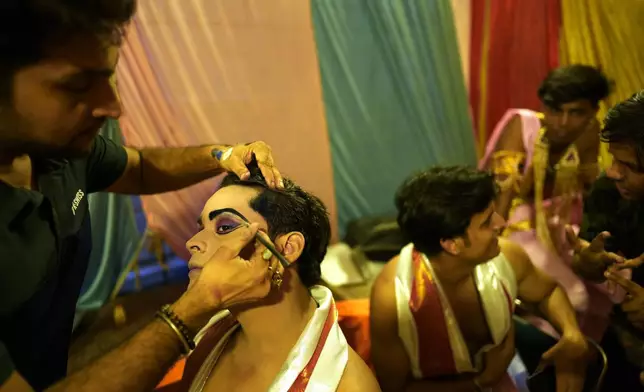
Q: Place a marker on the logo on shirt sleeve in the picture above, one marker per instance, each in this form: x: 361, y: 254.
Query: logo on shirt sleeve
x: 77, y: 200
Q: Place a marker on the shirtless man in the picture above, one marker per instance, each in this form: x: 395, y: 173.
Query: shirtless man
x: 441, y: 311
x: 291, y: 339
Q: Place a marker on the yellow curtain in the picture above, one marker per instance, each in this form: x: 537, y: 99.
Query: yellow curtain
x: 607, y: 34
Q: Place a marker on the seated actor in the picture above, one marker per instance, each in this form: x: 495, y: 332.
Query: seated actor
x: 543, y: 162
x: 442, y: 310
x: 289, y: 341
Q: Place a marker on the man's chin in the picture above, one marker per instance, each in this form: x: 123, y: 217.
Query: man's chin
x: 625, y: 194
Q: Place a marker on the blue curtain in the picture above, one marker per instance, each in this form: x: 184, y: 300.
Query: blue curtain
x: 394, y: 96
x: 115, y: 239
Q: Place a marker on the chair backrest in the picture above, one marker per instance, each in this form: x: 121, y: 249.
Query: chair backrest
x: 601, y: 365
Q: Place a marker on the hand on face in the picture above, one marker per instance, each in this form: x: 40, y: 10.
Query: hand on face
x: 243, y: 154
x: 227, y: 279
x: 633, y: 305
x: 570, y: 356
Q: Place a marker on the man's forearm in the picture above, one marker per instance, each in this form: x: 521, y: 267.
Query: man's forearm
x: 504, y: 203
x: 137, y: 365
x: 169, y: 169
x: 559, y: 311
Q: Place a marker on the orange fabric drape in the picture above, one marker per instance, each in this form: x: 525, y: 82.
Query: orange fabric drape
x: 199, y: 72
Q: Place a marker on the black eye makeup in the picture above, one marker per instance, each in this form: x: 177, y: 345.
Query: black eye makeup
x: 227, y: 220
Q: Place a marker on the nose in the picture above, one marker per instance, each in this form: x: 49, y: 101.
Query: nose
x: 614, y: 172
x: 564, y: 119
x: 107, y: 102
x: 194, y: 245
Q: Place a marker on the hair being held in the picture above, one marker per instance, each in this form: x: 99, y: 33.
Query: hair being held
x: 291, y: 209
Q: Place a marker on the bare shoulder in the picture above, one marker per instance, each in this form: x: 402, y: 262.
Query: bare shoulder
x: 511, y: 138
x: 387, y: 274
x: 383, y: 291
x: 357, y: 376
x: 516, y: 256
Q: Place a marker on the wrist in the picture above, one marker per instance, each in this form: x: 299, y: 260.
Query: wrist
x: 216, y: 154
x: 192, y: 312
x: 220, y: 151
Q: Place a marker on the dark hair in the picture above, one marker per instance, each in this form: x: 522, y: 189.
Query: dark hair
x: 439, y: 203
x: 291, y: 209
x: 27, y: 26
x: 574, y: 83
x: 624, y: 123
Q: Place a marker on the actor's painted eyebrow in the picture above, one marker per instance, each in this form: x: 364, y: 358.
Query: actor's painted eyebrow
x: 213, y: 214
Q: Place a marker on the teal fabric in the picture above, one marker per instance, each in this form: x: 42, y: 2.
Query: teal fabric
x: 115, y: 238
x: 394, y: 96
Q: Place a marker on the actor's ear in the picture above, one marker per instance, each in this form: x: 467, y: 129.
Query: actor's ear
x: 290, y: 245
x: 453, y: 246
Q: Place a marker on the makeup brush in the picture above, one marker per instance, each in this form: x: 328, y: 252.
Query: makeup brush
x: 270, y: 247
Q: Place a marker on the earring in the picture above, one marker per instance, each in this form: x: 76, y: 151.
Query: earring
x: 266, y: 255
x: 277, y: 279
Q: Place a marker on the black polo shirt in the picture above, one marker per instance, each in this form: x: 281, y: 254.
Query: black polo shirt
x: 45, y: 244
x: 606, y: 210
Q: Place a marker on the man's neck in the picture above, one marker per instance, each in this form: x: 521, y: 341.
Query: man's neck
x: 276, y: 327
x: 451, y: 270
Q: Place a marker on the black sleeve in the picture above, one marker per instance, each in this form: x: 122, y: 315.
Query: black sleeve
x: 105, y: 164
x: 599, y: 208
x: 6, y: 365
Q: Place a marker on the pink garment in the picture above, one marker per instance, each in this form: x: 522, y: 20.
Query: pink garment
x: 592, y: 302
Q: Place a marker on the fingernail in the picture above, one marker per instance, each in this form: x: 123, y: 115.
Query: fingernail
x: 281, y: 183
x: 245, y: 175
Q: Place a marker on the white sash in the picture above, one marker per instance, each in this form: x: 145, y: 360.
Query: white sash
x: 496, y: 283
x: 316, y: 362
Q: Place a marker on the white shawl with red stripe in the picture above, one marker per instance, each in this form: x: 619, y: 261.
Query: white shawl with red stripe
x: 426, y: 322
x: 316, y: 362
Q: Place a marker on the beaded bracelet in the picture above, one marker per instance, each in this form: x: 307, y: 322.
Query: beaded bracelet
x: 174, y: 322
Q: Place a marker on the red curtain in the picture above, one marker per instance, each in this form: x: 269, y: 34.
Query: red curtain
x: 514, y: 45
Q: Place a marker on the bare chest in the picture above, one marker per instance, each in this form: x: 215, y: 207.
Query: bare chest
x: 468, y: 311
x: 236, y: 370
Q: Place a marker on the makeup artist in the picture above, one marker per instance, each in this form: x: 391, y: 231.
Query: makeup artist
x: 55, y: 93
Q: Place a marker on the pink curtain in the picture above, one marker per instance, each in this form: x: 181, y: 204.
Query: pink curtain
x: 195, y: 72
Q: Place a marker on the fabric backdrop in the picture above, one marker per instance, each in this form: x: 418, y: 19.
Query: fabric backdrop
x: 394, y: 96
x: 462, y: 11
x: 607, y: 34
x: 514, y: 45
x: 198, y: 71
